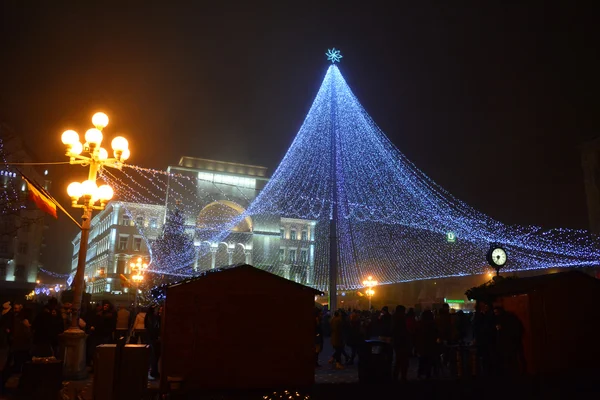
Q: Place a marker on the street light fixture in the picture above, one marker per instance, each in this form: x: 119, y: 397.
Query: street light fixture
x: 369, y: 283
x: 88, y: 196
x: 137, y: 270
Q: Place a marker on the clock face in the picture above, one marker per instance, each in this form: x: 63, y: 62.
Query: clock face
x: 499, y: 256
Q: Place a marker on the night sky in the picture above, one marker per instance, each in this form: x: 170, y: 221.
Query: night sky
x: 491, y: 101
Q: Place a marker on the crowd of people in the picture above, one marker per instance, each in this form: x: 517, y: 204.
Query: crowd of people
x: 34, y: 332
x: 430, y: 336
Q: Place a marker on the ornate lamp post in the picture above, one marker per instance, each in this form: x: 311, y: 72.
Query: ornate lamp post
x: 88, y: 196
x: 137, y: 275
x: 369, y: 283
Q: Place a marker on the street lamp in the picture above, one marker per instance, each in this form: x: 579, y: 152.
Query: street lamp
x: 369, y: 283
x: 137, y: 270
x: 88, y: 196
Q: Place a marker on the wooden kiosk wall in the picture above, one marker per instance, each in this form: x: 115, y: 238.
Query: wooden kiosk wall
x: 239, y: 328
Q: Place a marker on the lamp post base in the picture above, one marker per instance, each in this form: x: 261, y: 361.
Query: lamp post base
x: 73, y: 352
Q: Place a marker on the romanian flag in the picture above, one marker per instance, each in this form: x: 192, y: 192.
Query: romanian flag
x: 41, y: 198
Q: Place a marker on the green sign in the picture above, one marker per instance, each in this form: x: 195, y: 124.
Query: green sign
x: 450, y: 237
x: 454, y: 301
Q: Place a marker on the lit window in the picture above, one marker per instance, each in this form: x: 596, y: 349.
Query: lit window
x: 123, y: 242
x: 293, y: 234
x: 153, y: 222
x: 292, y: 256
x: 281, y: 254
x: 137, y: 244
x: 139, y: 222
x: 126, y: 221
x: 108, y: 287
x: 303, y: 256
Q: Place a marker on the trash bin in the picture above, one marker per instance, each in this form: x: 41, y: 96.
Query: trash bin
x: 375, y: 362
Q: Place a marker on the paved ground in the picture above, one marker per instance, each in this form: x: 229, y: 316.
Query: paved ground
x: 343, y: 384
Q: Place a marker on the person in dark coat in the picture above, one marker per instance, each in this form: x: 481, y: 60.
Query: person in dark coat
x: 337, y: 339
x: 484, y: 335
x: 427, y: 344
x: 385, y: 325
x: 401, y: 342
x: 22, y: 338
x: 94, y: 330
x: 354, y: 337
x: 152, y: 325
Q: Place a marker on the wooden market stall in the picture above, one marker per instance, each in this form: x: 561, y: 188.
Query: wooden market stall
x: 238, y: 328
x: 560, y: 314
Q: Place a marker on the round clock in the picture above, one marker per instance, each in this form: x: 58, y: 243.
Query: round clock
x: 496, y: 256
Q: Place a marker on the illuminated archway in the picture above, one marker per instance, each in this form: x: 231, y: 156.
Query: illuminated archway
x: 219, y: 213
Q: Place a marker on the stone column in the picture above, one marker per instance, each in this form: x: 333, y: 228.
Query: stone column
x: 197, y: 248
x: 248, y: 255
x: 286, y: 271
x: 229, y: 256
x: 213, y: 257
x: 309, y: 277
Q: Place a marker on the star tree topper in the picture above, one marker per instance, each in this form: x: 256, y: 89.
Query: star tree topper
x: 334, y: 55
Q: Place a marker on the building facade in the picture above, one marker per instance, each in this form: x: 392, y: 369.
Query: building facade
x: 211, y: 194
x: 215, y: 193
x: 22, y: 224
x: 120, y: 235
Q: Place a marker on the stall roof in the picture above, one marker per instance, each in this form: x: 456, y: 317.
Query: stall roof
x: 232, y: 268
x: 528, y: 284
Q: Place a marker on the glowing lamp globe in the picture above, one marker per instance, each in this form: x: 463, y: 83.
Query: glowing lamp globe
x: 89, y: 188
x: 102, y: 154
x: 93, y: 137
x: 69, y: 138
x: 105, y: 192
x: 74, y: 190
x: 119, y: 144
x: 125, y: 155
x: 100, y: 120
x: 76, y: 148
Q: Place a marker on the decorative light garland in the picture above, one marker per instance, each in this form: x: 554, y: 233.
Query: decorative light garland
x: 392, y: 218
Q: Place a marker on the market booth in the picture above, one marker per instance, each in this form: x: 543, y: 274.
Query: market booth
x: 560, y: 314
x: 238, y: 328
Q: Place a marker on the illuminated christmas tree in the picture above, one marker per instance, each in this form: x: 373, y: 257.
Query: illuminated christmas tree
x: 174, y: 248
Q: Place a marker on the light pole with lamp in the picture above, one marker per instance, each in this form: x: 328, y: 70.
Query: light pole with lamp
x: 86, y: 195
x: 369, y: 283
x: 139, y: 267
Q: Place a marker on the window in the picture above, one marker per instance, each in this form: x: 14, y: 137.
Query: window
x: 23, y: 247
x: 304, y: 235
x: 281, y: 254
x: 137, y: 244
x: 293, y: 234
x: 153, y: 222
x: 292, y: 256
x: 126, y: 221
x: 282, y: 231
x: 123, y: 242
x: 108, y: 287
x: 303, y: 256
x: 139, y: 222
